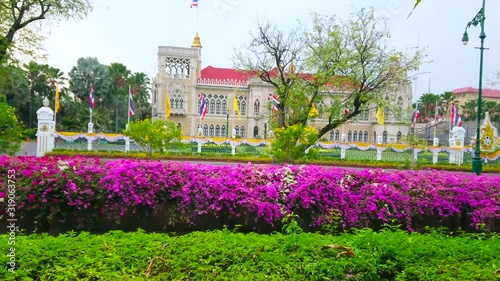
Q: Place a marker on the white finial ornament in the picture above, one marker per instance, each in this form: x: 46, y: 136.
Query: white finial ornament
x: 45, y: 102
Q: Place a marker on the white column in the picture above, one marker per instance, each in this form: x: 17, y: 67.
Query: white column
x: 45, y: 130
x: 127, y: 144
x: 90, y: 139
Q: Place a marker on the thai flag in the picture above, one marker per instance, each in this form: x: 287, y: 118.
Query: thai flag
x: 415, y: 119
x: 194, y: 3
x: 203, y: 107
x: 455, y: 117
x: 276, y: 102
x: 130, y: 102
x: 91, y: 98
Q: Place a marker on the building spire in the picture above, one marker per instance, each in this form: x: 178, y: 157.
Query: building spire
x: 292, y: 66
x: 196, y: 42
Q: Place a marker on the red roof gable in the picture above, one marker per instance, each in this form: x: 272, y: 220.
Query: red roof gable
x: 216, y: 73
x: 490, y: 93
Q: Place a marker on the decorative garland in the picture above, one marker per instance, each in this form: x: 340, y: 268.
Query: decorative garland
x: 491, y: 156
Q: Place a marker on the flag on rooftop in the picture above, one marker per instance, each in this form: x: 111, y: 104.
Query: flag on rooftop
x: 194, y: 3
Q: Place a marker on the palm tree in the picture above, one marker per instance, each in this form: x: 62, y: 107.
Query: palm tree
x: 140, y: 84
x: 469, y: 112
x: 36, y: 78
x: 119, y: 75
x: 493, y: 108
x: 427, y: 105
x: 447, y: 98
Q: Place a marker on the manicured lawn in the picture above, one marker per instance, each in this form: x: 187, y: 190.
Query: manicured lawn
x: 225, y: 255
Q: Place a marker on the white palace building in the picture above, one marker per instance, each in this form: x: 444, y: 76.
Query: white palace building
x: 180, y: 74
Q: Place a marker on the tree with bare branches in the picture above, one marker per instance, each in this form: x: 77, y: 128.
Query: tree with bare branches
x: 335, y: 66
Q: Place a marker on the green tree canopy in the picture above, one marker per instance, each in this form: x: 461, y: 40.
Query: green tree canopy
x: 17, y: 17
x: 154, y: 135
x: 11, y: 130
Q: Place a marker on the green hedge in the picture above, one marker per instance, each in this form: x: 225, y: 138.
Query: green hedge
x: 250, y: 157
x: 225, y: 255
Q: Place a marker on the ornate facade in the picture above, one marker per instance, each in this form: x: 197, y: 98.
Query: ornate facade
x: 181, y: 76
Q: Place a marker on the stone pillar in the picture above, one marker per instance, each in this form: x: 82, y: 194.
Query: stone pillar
x: 199, y: 147
x: 457, y: 142
x: 127, y: 144
x: 233, y: 149
x: 415, y: 155
x: 435, y: 153
x: 379, y: 154
x: 342, y: 153
x: 46, y: 129
x: 90, y: 139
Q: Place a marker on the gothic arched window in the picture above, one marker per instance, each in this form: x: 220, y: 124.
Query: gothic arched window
x: 255, y: 131
x: 224, y: 106
x: 349, y: 136
x: 337, y: 135
x: 237, y: 129
x: 218, y: 107
x: 384, y: 137
x: 243, y: 107
x: 223, y: 130
x: 242, y: 131
x: 355, y: 136
x: 366, y: 136
x: 332, y: 135
x: 212, y: 107
x: 399, y: 136
x: 205, y: 130
x: 182, y: 104
x: 217, y: 130
x: 211, y: 130
x: 256, y: 107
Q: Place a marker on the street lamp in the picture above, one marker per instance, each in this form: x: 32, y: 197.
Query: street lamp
x: 478, y: 19
x: 227, y: 129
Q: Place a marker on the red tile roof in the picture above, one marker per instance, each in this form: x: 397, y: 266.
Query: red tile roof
x: 490, y: 93
x: 217, y: 73
x: 211, y: 73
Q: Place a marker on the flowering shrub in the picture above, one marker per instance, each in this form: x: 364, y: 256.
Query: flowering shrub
x: 89, y: 190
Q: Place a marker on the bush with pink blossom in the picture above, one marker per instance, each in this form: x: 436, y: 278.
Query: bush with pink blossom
x: 90, y: 190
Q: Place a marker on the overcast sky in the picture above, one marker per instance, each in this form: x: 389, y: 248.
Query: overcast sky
x: 130, y: 31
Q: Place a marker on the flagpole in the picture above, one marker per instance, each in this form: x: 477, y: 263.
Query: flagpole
x: 55, y: 114
x: 435, y: 119
x: 128, y: 110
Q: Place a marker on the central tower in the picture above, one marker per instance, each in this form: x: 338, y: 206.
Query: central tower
x: 178, y: 70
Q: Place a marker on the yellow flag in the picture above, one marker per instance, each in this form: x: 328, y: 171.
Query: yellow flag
x: 167, y: 105
x: 236, y: 108
x: 313, y: 112
x: 56, y: 106
x: 380, y: 116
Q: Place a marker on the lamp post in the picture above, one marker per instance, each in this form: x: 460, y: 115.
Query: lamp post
x: 478, y: 19
x: 227, y: 129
